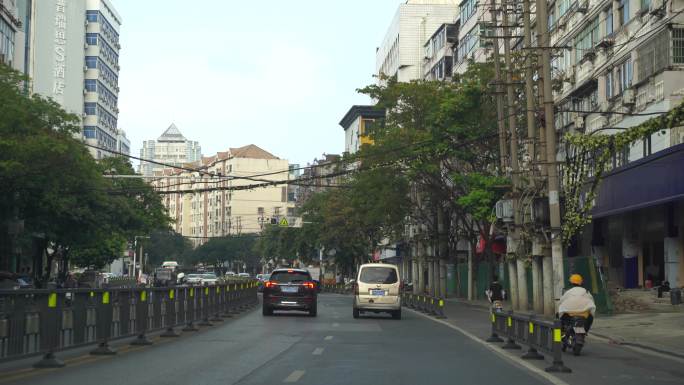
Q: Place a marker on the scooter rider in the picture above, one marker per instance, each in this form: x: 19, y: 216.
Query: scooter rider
x: 577, y: 302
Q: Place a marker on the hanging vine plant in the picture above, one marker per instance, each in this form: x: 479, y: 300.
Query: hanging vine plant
x: 590, y: 156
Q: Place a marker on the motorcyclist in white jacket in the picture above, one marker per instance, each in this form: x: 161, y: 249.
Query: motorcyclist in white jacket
x: 577, y: 302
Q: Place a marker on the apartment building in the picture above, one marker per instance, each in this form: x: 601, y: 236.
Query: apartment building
x: 621, y: 64
x: 73, y: 58
x: 474, y: 25
x: 233, y: 192
x: 440, y: 50
x: 170, y: 148
x: 356, y: 123
x: 401, y: 52
x: 12, y: 34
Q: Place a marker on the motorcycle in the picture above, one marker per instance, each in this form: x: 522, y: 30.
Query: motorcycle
x: 497, y: 306
x: 574, y: 334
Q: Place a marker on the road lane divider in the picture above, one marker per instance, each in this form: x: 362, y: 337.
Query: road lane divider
x: 294, y: 376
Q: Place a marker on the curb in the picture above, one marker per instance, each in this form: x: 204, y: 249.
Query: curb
x: 659, y: 350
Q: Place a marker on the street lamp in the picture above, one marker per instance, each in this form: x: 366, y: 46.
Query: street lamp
x: 135, y: 253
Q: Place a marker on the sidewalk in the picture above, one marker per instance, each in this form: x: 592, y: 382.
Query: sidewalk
x: 659, y: 332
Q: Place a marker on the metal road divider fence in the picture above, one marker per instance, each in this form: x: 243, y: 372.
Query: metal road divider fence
x: 44, y: 321
x: 337, y: 289
x: 433, y: 306
x: 537, y: 334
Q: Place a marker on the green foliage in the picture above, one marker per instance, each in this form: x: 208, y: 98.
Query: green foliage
x: 49, y: 180
x: 168, y: 246
x: 217, y: 251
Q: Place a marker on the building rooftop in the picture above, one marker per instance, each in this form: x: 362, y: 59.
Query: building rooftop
x: 172, y: 134
x: 363, y: 111
x: 251, y: 151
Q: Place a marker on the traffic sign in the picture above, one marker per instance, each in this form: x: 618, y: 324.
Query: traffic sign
x: 283, y: 222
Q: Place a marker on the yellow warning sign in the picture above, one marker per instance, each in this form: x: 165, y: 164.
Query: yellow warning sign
x: 283, y: 222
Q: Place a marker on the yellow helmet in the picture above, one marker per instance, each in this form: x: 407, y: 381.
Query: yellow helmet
x: 576, y: 279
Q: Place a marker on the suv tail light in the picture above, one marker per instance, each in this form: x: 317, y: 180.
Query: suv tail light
x: 309, y: 285
x: 269, y: 284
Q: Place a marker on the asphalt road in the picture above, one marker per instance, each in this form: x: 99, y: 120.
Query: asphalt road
x: 330, y: 349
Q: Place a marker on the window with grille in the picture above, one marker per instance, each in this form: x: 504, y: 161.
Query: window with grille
x: 678, y: 46
x: 654, y: 55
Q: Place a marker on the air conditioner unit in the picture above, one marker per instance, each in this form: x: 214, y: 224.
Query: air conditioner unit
x: 606, y: 42
x: 85, y: 91
x: 504, y: 210
x: 85, y: 68
x: 84, y: 115
x: 628, y: 97
x: 657, y: 8
x: 579, y: 121
x: 583, y: 6
x: 604, y: 107
x: 86, y: 45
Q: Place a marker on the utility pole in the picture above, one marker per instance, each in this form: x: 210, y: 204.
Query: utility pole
x: 552, y: 170
x: 512, y: 275
x: 516, y: 269
x: 537, y: 289
x: 499, y: 91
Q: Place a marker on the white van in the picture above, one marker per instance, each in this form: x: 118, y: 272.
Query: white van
x: 377, y: 290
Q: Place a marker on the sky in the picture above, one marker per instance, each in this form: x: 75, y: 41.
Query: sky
x: 278, y: 74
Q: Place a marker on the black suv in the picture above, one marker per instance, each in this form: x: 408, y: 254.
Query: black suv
x: 290, y: 289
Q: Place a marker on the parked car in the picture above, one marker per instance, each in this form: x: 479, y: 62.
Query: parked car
x: 13, y: 281
x: 243, y: 275
x: 164, y: 277
x: 193, y: 279
x: 290, y: 289
x: 209, y: 279
x: 91, y: 279
x: 377, y: 290
x: 230, y: 273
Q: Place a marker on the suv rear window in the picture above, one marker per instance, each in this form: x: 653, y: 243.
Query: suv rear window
x: 378, y: 275
x: 287, y: 277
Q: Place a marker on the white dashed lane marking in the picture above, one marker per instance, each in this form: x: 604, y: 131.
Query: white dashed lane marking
x: 328, y: 338
x: 294, y: 376
x: 317, y: 351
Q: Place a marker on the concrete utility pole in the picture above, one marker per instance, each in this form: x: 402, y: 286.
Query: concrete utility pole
x: 552, y: 178
x: 516, y: 269
x: 499, y: 91
x: 537, y: 290
x: 513, y: 279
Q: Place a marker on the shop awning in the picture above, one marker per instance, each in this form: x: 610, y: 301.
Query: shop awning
x: 653, y: 180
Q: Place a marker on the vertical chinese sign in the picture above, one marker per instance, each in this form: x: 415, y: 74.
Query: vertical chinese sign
x: 59, y: 69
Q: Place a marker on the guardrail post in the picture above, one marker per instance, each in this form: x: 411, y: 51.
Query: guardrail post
x: 557, y: 344
x: 433, y: 306
x: 532, y: 353
x: 226, y: 302
x: 190, y: 310
x: 215, y: 303
x: 171, y: 306
x: 510, y: 333
x: 51, y: 318
x: 104, y: 319
x: 204, y: 299
x: 494, y: 337
x: 142, y: 310
x: 440, y: 309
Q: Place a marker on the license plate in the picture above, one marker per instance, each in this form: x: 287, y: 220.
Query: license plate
x: 289, y: 289
x: 579, y: 330
x: 378, y: 292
